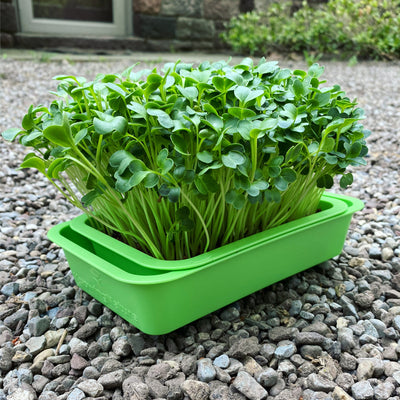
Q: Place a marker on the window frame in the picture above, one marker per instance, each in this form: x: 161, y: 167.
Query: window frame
x: 121, y: 25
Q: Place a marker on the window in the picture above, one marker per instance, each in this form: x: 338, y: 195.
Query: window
x: 72, y: 17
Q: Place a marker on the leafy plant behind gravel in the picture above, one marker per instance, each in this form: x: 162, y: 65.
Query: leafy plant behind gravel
x: 185, y: 161
x: 362, y: 28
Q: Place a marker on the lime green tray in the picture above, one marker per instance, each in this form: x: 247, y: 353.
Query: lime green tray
x: 160, y: 296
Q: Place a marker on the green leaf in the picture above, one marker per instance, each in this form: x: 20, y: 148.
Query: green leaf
x: 325, y: 181
x: 322, y: 99
x: 245, y: 64
x: 164, y: 163
x: 174, y: 194
x: 127, y: 72
x: 188, y: 176
x: 89, y: 197
x: 183, y: 217
x: 282, y: 75
x: 331, y: 159
x: 28, y: 122
x: 313, y: 147
x: 280, y: 183
x: 285, y: 123
x: 222, y: 84
x: 207, y: 107
x: 190, y: 92
x: 354, y: 150
x: 214, y: 122
x: 272, y: 196
x: 205, y: 157
x: 32, y: 161
x: 235, y: 77
x: 299, y: 72
x: 269, y: 124
x: 267, y: 67
x: 274, y: 171
x: 261, y: 185
x: 195, y: 120
x: 276, y: 161
x: 154, y: 81
x: 338, y: 124
x: 241, y: 93
x: 241, y: 113
x: 329, y: 144
x: 256, y: 133
x: 27, y: 139
x: 233, y: 159
x: 187, y: 224
x: 182, y: 213
x: 321, y: 120
x: 63, y: 77
x: 80, y: 135
x: 60, y: 134
x: 235, y: 198
x: 150, y: 180
x: 91, y: 182
x: 269, y: 150
x: 126, y: 182
x: 58, y: 165
x: 137, y: 108
x: 210, y: 183
x: 130, y: 171
x: 201, y: 76
x: 293, y: 153
x: 315, y: 71
x: 214, y: 165
x: 298, y: 88
x: 117, y: 124
x: 346, y: 180
x: 11, y: 133
x: 200, y: 185
x: 244, y: 128
x: 180, y: 143
x: 253, y: 95
x: 163, y: 118
x: 241, y: 182
x: 180, y: 126
x: 137, y: 177
x: 289, y: 175
x: 117, y: 103
x: 121, y: 160
x: 115, y: 88
x: 256, y: 187
x: 293, y: 136
x: 137, y: 165
x: 289, y: 111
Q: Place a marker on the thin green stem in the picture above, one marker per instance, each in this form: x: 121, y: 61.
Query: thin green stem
x: 87, y: 166
x: 194, y: 208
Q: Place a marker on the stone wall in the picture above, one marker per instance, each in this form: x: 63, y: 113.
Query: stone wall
x: 185, y: 24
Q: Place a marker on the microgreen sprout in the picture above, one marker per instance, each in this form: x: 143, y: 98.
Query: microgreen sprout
x: 180, y: 162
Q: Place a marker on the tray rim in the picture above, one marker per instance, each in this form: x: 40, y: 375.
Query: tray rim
x: 57, y: 235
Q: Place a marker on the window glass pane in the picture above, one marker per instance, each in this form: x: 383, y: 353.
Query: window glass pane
x: 74, y: 10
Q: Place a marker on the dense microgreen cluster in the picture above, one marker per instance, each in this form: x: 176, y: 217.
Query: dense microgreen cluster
x: 368, y: 29
x: 184, y: 161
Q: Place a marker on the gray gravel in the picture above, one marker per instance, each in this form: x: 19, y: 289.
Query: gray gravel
x: 331, y: 332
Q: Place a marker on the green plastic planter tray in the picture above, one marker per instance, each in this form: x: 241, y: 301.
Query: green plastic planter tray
x: 160, y: 296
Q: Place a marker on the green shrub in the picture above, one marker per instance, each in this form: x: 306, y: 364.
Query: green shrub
x: 361, y: 28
